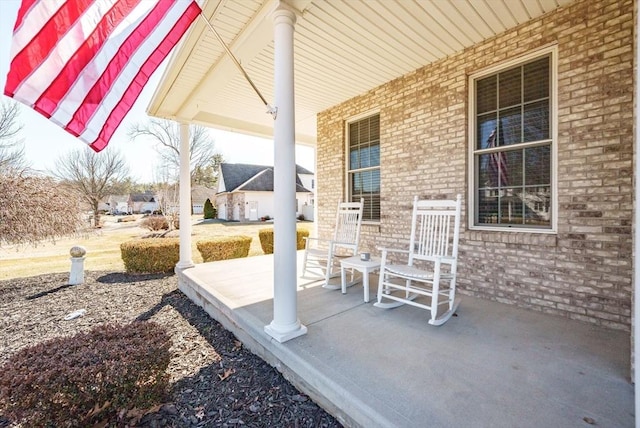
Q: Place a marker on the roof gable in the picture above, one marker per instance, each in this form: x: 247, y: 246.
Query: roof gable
x: 255, y: 178
x: 236, y: 174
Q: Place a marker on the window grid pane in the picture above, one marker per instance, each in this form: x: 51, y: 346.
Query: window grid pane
x: 513, y: 186
x: 364, y: 165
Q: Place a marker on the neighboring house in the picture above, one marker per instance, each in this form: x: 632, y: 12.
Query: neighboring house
x: 118, y: 204
x: 245, y: 192
x: 143, y: 203
x: 526, y: 108
x: 306, y: 204
x: 103, y: 205
x: 199, y: 195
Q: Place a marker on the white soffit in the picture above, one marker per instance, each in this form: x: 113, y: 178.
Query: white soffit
x: 343, y: 48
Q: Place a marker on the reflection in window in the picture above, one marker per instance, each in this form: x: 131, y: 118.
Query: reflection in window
x: 513, y: 146
x: 364, y: 164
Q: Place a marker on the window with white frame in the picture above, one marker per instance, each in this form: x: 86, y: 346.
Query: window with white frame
x: 512, y: 145
x: 363, y: 167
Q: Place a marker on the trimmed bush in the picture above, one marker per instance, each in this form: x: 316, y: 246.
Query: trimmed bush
x: 209, y: 210
x: 154, y: 255
x: 87, y: 378
x: 266, y: 239
x: 224, y: 247
x: 155, y: 223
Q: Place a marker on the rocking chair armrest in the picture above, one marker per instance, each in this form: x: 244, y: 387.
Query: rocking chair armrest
x: 392, y: 250
x: 385, y: 251
x: 309, y: 239
x: 332, y: 242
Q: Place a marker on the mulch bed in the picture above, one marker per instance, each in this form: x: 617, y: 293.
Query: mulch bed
x: 215, y: 381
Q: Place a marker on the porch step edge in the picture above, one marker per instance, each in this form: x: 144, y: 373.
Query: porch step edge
x: 349, y: 410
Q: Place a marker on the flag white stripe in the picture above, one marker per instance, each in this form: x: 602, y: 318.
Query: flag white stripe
x: 96, y: 67
x: 36, y: 17
x: 146, y: 49
x: 30, y: 89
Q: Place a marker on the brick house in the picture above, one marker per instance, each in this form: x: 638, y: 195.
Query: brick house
x: 577, y: 265
x: 526, y: 108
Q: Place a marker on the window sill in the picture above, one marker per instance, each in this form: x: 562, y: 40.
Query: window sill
x: 543, y: 238
x: 514, y: 229
x: 371, y: 224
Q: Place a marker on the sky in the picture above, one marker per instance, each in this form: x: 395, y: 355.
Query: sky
x: 45, y: 142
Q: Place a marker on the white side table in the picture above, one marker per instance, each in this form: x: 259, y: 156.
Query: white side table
x: 366, y: 267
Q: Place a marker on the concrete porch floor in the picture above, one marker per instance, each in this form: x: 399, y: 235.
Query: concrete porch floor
x: 491, y: 366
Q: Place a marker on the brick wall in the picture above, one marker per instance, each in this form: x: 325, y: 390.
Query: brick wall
x: 584, y: 271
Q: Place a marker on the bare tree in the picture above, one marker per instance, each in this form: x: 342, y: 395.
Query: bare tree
x: 165, y: 135
x: 35, y: 208
x: 11, y: 146
x: 169, y: 203
x: 92, y: 175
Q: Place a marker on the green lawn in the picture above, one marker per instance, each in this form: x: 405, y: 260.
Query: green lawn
x: 103, y: 246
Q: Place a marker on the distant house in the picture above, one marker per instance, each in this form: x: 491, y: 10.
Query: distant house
x: 245, y: 192
x: 146, y: 202
x: 103, y: 205
x: 199, y: 195
x: 118, y: 204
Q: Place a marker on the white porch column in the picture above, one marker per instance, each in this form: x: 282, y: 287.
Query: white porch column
x: 185, y: 199
x: 285, y: 324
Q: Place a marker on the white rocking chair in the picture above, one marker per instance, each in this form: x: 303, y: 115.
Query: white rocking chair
x: 432, y: 261
x: 322, y: 256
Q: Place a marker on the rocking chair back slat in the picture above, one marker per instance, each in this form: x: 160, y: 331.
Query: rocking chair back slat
x: 431, y: 229
x: 348, y: 223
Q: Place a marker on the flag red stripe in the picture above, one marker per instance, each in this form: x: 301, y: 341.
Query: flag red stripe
x: 101, y: 88
x: 51, y: 97
x: 84, y: 63
x: 152, y: 63
x: 41, y: 46
x: 25, y: 6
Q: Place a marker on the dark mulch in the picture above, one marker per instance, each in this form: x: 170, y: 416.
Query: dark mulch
x: 216, y: 382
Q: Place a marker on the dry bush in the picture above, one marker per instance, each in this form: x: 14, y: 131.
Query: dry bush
x: 224, y: 248
x: 266, y: 239
x: 155, y: 223
x: 154, y: 255
x: 35, y: 208
x: 87, y: 379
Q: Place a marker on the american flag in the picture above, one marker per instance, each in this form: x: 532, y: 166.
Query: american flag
x: 83, y: 63
x: 498, y: 162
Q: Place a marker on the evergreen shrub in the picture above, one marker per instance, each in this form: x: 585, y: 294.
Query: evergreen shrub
x: 209, y: 210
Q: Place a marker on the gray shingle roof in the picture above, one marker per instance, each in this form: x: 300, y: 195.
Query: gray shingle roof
x: 301, y: 170
x: 256, y: 178
x: 143, y: 197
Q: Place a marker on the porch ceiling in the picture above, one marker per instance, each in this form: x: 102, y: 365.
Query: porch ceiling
x: 342, y: 49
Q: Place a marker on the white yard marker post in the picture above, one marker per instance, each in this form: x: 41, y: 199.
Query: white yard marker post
x: 76, y: 276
